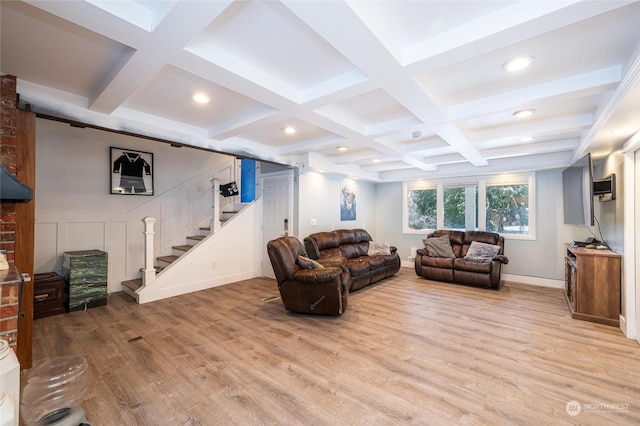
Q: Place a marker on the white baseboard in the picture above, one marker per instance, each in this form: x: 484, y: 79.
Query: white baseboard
x: 537, y: 281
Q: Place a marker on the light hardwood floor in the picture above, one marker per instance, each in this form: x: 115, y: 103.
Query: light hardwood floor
x: 406, y: 351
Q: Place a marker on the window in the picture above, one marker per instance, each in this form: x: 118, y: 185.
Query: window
x: 508, y: 208
x: 496, y: 204
x: 460, y: 207
x: 422, y: 203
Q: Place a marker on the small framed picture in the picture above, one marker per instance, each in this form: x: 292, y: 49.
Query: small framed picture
x: 131, y: 172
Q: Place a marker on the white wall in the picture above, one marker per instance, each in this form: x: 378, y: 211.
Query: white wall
x: 75, y: 210
x: 319, y: 199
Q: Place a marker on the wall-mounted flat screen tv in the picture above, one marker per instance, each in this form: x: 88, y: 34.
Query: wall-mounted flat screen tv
x: 577, y: 192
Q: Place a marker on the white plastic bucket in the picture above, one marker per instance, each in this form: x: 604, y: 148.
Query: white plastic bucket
x: 9, y: 385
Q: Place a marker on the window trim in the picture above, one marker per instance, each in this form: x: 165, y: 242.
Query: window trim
x: 481, y: 183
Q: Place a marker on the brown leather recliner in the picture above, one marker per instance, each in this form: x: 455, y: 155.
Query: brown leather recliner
x: 322, y: 291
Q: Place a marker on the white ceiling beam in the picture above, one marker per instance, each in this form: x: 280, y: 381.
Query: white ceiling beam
x: 509, y: 101
x: 169, y: 37
x: 521, y: 21
x: 539, y: 127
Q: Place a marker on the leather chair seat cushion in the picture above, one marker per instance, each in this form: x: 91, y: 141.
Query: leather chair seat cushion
x: 463, y: 264
x: 358, y: 266
x: 438, y: 262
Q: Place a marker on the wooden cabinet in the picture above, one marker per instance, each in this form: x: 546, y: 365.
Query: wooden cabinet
x: 48, y: 295
x: 592, y: 284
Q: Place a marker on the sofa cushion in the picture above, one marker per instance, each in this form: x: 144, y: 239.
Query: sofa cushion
x: 438, y: 262
x: 465, y: 264
x: 378, y: 248
x: 375, y: 262
x: 345, y: 236
x: 439, y: 246
x: 307, y: 263
x: 353, y: 251
x: 481, y: 251
x: 358, y: 266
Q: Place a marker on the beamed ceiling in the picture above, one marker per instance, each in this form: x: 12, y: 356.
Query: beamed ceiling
x: 411, y: 89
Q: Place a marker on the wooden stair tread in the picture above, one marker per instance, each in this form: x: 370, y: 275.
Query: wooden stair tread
x: 168, y: 259
x: 205, y: 228
x: 184, y: 247
x: 132, y: 284
x: 196, y: 237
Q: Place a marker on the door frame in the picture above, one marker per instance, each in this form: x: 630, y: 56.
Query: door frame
x: 293, y: 223
x: 630, y: 321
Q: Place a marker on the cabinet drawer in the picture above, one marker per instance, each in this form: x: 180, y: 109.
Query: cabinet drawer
x: 48, y: 295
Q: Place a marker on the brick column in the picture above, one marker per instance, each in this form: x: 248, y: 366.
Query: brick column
x: 8, y: 147
x: 8, y: 144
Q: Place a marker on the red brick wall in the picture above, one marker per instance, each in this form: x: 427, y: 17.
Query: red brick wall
x: 8, y: 144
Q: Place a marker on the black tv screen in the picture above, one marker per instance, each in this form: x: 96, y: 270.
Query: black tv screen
x: 577, y: 192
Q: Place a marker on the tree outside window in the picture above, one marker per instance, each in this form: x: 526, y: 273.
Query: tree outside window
x: 422, y: 208
x: 508, y: 208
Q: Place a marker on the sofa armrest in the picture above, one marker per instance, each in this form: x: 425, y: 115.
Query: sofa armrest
x: 332, y: 261
x: 318, y: 276
x: 422, y: 251
x: 502, y: 258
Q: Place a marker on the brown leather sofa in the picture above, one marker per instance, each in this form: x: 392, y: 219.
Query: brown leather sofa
x: 353, y: 244
x: 460, y: 269
x: 312, y: 291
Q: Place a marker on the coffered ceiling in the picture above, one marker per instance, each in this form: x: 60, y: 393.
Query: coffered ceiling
x: 411, y: 89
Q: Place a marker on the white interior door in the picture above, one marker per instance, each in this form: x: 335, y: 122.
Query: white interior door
x: 276, y: 216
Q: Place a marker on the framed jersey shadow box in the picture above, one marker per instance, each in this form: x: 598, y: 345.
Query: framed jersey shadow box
x: 131, y: 172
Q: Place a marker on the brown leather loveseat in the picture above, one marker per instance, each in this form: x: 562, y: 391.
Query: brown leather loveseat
x: 365, y: 267
x: 452, y: 256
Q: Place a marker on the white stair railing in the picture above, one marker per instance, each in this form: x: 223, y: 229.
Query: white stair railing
x: 149, y: 271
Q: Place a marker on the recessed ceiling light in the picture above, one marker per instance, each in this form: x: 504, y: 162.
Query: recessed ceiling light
x: 526, y: 139
x: 518, y: 64
x: 524, y: 113
x: 417, y: 134
x: 375, y: 160
x: 201, y: 98
x: 342, y: 148
x: 289, y: 130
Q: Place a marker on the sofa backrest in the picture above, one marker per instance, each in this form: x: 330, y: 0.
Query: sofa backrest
x: 350, y: 243
x: 283, y: 253
x: 460, y: 241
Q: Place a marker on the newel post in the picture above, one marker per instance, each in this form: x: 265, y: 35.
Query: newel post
x: 149, y: 271
x: 215, y: 219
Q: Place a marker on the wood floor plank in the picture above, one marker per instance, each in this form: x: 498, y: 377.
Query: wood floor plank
x: 406, y: 351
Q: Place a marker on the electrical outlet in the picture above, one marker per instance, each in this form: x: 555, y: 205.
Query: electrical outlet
x: 314, y: 222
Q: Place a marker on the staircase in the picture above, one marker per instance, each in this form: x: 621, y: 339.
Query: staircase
x: 131, y: 286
